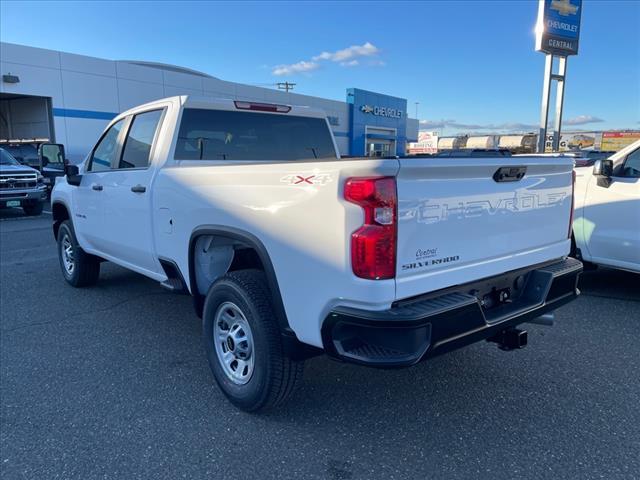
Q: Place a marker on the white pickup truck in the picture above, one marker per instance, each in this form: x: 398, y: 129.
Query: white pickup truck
x: 607, y: 216
x: 290, y: 251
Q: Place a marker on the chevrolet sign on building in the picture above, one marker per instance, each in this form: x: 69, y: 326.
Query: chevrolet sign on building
x: 382, y: 111
x: 558, y: 26
x: 378, y: 124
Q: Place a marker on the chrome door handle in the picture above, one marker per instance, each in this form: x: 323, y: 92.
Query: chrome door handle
x: 138, y: 189
x: 96, y: 187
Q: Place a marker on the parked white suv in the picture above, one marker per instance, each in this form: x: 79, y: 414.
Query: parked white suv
x: 290, y: 251
x: 607, y: 216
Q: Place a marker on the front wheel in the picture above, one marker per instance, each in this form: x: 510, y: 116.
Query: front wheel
x: 243, y: 343
x: 79, y: 268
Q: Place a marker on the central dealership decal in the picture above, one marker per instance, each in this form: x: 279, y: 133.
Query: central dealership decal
x: 381, y: 111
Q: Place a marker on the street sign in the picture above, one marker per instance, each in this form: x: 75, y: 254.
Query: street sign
x: 558, y: 26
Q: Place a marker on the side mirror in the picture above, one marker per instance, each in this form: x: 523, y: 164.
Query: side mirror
x: 71, y: 170
x: 73, y: 174
x: 603, y: 168
x: 51, y: 154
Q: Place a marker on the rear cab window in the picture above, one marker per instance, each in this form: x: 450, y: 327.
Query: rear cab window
x: 229, y: 135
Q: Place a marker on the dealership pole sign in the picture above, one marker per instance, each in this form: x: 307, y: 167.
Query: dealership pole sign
x: 557, y: 36
x: 558, y: 26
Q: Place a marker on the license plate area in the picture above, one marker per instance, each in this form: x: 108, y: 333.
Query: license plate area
x: 13, y: 203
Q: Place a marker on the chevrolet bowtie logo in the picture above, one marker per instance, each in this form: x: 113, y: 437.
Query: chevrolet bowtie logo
x: 564, y: 7
x: 366, y: 109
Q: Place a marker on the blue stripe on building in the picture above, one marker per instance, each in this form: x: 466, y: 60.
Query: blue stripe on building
x: 68, y: 112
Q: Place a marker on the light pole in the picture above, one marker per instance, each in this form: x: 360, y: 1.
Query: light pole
x: 417, y: 103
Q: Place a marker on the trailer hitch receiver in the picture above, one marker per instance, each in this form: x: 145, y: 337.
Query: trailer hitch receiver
x: 510, y: 339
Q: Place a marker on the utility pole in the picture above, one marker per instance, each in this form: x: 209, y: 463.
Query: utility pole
x: 286, y: 86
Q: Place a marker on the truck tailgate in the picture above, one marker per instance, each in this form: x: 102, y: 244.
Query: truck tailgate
x: 457, y: 224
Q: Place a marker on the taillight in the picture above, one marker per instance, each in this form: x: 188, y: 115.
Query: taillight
x: 262, y: 107
x: 573, y: 201
x: 373, y: 245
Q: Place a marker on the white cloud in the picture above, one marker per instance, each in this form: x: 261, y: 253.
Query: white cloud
x: 507, y: 126
x: 354, y: 51
x: 347, y: 57
x: 429, y: 124
x: 582, y: 120
x: 503, y: 127
x: 299, y: 67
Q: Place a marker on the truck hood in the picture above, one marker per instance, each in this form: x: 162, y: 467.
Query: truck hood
x: 17, y: 169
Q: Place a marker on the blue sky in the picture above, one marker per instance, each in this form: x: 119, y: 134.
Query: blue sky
x: 470, y: 64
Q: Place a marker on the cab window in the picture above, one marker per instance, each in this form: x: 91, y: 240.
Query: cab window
x: 229, y: 135
x: 106, y: 150
x: 631, y: 166
x: 137, y: 146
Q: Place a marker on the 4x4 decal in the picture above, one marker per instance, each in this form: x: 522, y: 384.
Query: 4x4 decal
x: 306, y: 179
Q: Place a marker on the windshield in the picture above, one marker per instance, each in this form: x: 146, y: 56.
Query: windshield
x: 229, y: 135
x: 6, y: 158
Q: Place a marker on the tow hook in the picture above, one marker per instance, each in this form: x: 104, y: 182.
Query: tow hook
x: 510, y: 339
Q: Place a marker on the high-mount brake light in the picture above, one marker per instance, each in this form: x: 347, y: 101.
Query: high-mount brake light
x: 573, y: 201
x: 374, y: 244
x: 262, y: 107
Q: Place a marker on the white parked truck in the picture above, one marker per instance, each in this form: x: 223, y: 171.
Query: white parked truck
x: 607, y: 217
x: 290, y: 251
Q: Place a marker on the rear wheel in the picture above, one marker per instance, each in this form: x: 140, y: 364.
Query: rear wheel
x: 243, y: 343
x: 79, y: 268
x: 33, y: 209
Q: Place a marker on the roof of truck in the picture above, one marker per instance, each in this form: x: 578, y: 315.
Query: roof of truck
x: 240, y: 105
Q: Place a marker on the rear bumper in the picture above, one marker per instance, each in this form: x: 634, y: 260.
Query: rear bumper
x: 416, y: 330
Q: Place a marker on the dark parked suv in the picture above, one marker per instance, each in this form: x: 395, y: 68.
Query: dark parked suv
x: 20, y: 185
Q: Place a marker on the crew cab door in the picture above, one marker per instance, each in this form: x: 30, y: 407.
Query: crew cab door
x: 612, y: 216
x: 90, y: 196
x: 128, y: 195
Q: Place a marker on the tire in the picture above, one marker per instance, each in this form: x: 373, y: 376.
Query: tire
x: 79, y: 268
x: 264, y: 377
x: 198, y: 304
x: 33, y: 209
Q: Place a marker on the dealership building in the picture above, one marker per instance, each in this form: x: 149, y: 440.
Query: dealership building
x: 70, y: 98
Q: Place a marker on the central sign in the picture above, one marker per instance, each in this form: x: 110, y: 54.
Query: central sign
x: 558, y: 26
x: 381, y: 111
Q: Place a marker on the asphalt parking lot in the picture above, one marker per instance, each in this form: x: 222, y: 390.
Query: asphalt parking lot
x: 112, y: 382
